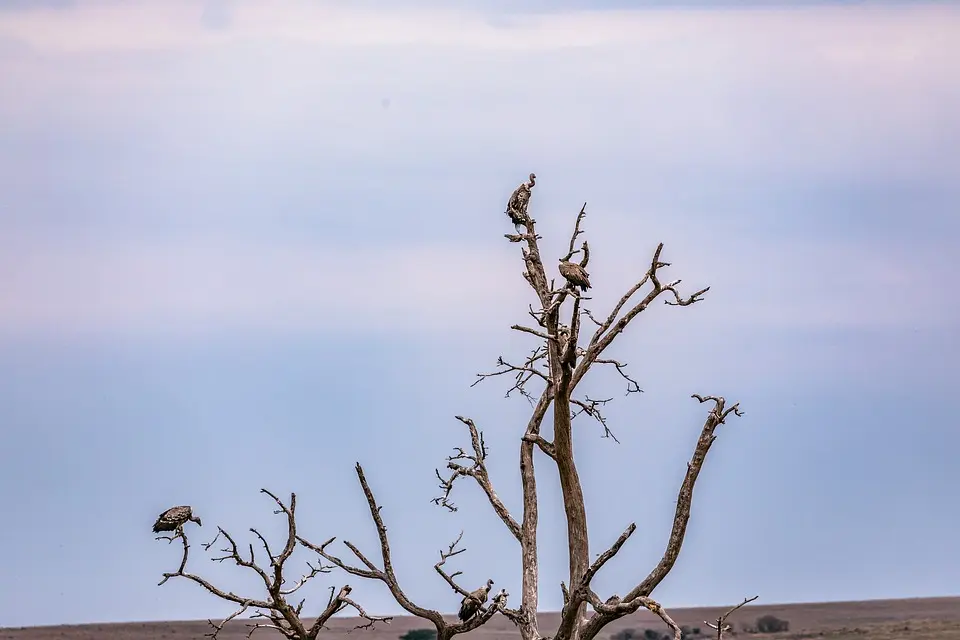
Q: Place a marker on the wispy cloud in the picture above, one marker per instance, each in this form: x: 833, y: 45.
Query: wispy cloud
x: 213, y: 287
x: 775, y: 167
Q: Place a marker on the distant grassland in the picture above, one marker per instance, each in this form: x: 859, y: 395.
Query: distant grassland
x: 910, y: 619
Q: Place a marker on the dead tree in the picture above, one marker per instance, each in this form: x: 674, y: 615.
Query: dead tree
x: 558, y: 365
x: 274, y: 608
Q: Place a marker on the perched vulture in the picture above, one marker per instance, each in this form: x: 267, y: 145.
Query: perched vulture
x: 575, y: 274
x: 472, y: 602
x: 174, y: 518
x: 517, y: 205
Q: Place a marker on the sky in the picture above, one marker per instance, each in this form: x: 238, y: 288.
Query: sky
x: 247, y: 244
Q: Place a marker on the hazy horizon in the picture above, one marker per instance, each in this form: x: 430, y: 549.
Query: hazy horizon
x: 341, y: 618
x: 247, y: 244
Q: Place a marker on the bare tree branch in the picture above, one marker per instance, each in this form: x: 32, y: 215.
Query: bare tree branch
x: 444, y: 556
x: 219, y: 627
x: 340, y: 602
x: 592, y: 408
x: 539, y: 334
x: 522, y: 373
x: 478, y: 471
x: 619, y: 608
x: 284, y: 617
x: 720, y: 625
x: 632, y: 386
x: 581, y: 593
x: 387, y: 575
x: 542, y: 443
x: 715, y: 418
x: 610, y: 328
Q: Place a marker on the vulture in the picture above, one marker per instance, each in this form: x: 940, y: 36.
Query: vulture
x: 517, y: 205
x: 174, y: 518
x: 472, y: 602
x: 575, y: 274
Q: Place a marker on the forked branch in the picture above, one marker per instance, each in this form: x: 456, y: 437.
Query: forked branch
x: 477, y: 469
x: 615, y: 323
x: 453, y: 550
x: 618, y: 608
x: 720, y: 624
x: 386, y: 574
x: 283, y: 616
x: 533, y: 367
x: 716, y: 416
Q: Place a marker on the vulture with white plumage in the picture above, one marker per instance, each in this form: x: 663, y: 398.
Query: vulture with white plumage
x: 473, y: 601
x: 517, y: 205
x: 575, y: 274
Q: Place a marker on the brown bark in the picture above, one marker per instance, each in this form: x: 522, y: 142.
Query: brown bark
x: 578, y: 547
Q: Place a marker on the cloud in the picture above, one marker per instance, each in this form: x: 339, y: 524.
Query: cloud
x: 212, y: 285
x: 165, y: 178
x: 215, y: 287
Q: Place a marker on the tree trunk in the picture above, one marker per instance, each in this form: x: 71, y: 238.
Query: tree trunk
x: 528, y: 545
x: 573, y: 505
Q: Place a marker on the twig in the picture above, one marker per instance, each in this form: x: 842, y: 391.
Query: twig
x: 478, y: 471
x: 522, y: 373
x: 444, y: 556
x: 386, y: 574
x: 720, y: 626
x: 591, y: 407
x: 283, y: 617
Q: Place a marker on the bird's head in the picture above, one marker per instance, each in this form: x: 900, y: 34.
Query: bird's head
x: 197, y: 520
x: 533, y: 179
x: 489, y: 584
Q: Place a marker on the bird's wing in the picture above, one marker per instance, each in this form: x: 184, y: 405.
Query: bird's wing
x: 175, y: 513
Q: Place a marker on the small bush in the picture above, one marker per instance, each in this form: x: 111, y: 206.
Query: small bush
x: 772, y: 624
x: 630, y: 634
x: 420, y: 634
x: 651, y: 634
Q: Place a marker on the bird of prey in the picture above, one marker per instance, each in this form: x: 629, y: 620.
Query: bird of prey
x: 472, y: 602
x: 575, y: 274
x: 174, y: 518
x: 517, y: 205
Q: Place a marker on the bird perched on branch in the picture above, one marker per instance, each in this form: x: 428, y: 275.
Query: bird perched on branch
x: 473, y: 601
x: 575, y: 274
x: 174, y: 518
x: 517, y: 205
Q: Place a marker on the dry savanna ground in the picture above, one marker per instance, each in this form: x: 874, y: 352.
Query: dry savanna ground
x: 913, y: 619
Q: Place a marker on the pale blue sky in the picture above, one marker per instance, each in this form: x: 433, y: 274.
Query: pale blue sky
x: 247, y: 244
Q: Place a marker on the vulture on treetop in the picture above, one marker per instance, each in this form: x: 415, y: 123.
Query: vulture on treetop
x: 472, y: 602
x: 174, y: 518
x: 575, y: 274
x: 517, y: 205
